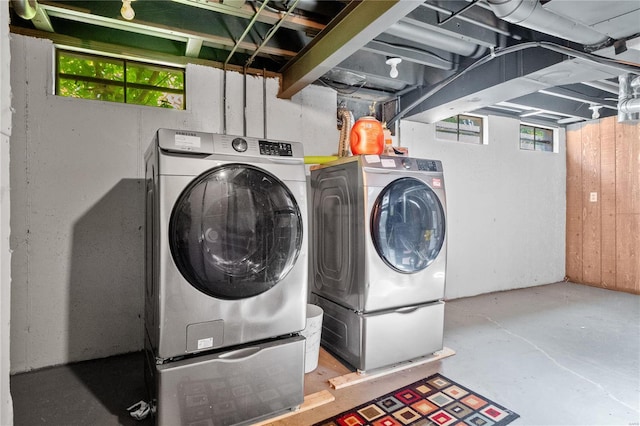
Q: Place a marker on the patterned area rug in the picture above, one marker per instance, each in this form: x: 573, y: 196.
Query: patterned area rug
x: 436, y: 401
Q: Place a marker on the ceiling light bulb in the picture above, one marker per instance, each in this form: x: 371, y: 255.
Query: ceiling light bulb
x: 127, y: 11
x: 394, y: 66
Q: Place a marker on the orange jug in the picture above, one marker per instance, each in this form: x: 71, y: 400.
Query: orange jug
x: 367, y: 136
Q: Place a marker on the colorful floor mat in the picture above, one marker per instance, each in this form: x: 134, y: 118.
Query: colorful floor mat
x: 436, y: 401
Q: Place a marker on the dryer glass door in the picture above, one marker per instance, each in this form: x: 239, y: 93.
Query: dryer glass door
x: 235, y: 231
x: 408, y: 225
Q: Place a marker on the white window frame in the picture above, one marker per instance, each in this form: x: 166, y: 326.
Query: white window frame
x: 484, y: 134
x: 555, y: 132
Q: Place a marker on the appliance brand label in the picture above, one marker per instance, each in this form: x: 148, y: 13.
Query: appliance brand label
x: 205, y: 343
x: 436, y: 183
x: 187, y: 141
x: 388, y: 162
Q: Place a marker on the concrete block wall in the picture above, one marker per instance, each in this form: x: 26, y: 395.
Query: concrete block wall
x: 77, y: 201
x: 77, y: 219
x: 505, y: 208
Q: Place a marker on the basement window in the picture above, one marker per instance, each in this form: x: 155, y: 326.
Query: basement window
x: 87, y: 76
x: 533, y: 138
x: 461, y: 128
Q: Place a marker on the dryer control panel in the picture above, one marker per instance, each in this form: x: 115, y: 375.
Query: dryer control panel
x: 401, y: 163
x: 427, y: 165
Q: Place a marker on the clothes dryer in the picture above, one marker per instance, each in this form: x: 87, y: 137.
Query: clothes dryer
x: 226, y: 243
x: 379, y: 263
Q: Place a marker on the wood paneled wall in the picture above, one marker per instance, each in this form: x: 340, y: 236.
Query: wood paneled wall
x: 603, y: 204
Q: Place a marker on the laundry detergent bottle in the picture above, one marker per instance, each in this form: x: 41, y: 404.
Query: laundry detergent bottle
x: 367, y: 136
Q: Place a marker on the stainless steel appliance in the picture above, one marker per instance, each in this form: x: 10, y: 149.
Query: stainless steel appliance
x: 226, y: 254
x: 379, y: 257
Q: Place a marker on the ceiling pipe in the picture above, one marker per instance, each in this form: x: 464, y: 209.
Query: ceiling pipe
x: 530, y: 14
x: 26, y: 9
x: 628, y: 100
x: 418, y: 34
x: 475, y: 22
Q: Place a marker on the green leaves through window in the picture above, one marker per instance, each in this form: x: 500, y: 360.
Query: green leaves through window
x: 461, y: 128
x: 536, y: 138
x: 87, y: 76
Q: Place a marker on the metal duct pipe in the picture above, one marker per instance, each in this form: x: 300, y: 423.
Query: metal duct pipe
x: 635, y: 86
x: 435, y: 39
x: 507, y: 50
x: 628, y: 105
x: 531, y: 14
x: 26, y: 9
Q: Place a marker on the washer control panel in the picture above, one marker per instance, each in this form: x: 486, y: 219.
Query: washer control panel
x: 279, y: 149
x: 202, y: 144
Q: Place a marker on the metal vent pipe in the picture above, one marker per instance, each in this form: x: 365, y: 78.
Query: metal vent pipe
x: 628, y: 100
x: 530, y: 14
x: 418, y: 34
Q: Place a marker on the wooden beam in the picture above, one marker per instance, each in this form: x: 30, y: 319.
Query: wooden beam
x: 357, y: 24
x: 355, y: 378
x: 310, y: 402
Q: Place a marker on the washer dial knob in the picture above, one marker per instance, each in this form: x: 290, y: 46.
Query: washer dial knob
x: 239, y: 144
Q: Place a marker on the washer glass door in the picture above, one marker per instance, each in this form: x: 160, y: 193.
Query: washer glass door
x: 407, y: 225
x: 235, y: 231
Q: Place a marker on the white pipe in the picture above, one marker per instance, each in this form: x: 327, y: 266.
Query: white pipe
x: 628, y: 106
x: 530, y: 14
x: 26, y: 9
x: 635, y: 86
x: 409, y: 31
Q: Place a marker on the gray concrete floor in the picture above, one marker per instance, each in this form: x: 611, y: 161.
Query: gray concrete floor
x: 559, y: 354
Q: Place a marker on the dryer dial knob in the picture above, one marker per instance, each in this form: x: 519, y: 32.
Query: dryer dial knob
x: 239, y: 144
x: 406, y: 163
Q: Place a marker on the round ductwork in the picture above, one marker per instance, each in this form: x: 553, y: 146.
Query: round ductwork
x: 26, y: 9
x: 531, y: 14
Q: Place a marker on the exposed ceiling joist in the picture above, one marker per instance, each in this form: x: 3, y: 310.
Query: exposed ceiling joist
x: 161, y: 31
x: 565, y: 93
x: 246, y: 11
x: 560, y: 106
x: 356, y: 25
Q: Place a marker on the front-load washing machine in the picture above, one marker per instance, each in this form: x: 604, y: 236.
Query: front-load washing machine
x: 379, y: 263
x: 227, y: 251
x: 226, y: 274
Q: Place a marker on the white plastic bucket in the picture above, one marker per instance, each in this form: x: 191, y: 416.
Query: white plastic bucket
x: 312, y: 332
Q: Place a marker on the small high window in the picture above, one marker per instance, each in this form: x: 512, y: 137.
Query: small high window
x: 461, y: 128
x: 87, y: 76
x: 535, y: 138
